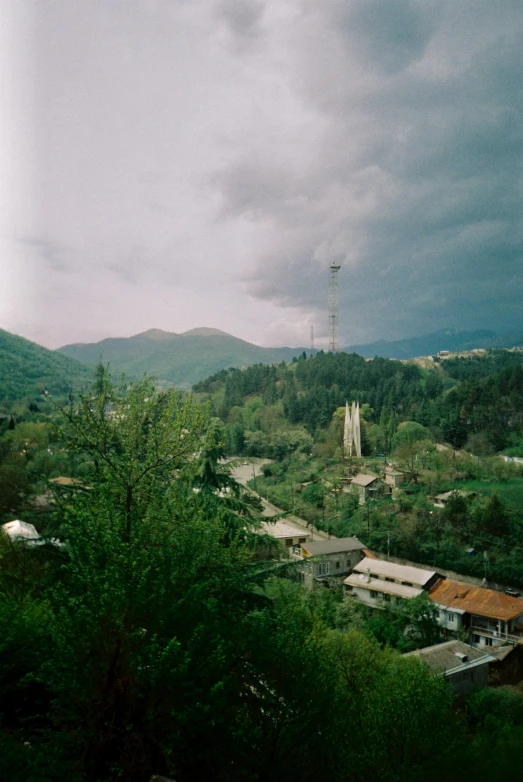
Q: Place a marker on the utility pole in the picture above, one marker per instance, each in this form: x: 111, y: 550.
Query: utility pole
x: 312, y: 338
x: 333, y: 306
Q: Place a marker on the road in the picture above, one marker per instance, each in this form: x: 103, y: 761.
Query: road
x: 246, y: 469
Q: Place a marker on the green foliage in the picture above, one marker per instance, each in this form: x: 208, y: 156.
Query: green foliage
x: 411, y: 432
x: 154, y: 641
x: 27, y: 370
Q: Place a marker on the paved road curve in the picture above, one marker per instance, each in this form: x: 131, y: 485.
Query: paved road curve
x: 246, y: 469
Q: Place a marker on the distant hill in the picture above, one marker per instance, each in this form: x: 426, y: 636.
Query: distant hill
x: 429, y: 344
x: 27, y: 369
x: 177, y: 359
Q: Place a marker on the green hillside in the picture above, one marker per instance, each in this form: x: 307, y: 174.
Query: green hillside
x: 177, y: 359
x: 27, y: 369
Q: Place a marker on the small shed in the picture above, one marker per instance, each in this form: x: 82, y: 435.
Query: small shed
x: 366, y: 486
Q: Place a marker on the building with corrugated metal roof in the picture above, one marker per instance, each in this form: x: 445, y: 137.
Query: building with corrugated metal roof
x: 463, y: 666
x: 490, y: 617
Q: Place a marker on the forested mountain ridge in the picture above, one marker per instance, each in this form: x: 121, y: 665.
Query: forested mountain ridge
x: 177, y: 359
x: 28, y: 369
x: 478, y: 399
x: 429, y: 344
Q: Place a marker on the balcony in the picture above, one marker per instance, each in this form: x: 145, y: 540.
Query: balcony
x: 496, y: 635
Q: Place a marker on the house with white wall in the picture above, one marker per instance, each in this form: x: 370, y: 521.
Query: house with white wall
x: 379, y: 583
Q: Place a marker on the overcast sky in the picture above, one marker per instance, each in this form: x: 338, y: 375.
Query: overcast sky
x: 181, y: 163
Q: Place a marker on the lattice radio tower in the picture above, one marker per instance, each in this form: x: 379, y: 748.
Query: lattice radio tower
x: 333, y: 306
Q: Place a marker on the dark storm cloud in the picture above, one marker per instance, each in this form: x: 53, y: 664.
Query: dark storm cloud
x: 416, y: 180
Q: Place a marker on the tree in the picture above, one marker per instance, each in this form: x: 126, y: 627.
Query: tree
x: 410, y: 432
x: 493, y: 518
x: 421, y: 615
x: 315, y: 495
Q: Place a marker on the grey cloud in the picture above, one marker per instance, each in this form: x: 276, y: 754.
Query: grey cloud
x: 242, y: 17
x: 417, y: 177
x: 254, y: 188
x: 389, y: 33
x: 184, y: 146
x: 55, y: 256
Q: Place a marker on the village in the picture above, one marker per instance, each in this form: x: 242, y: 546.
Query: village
x: 481, y: 627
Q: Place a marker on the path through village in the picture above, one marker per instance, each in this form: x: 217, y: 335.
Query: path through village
x: 245, y: 470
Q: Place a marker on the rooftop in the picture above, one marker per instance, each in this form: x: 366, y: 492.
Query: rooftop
x: 331, y: 546
x: 476, y: 600
x: 454, y: 492
x: 282, y: 529
x: 361, y: 479
x: 443, y: 658
x: 378, y: 585
x: 378, y: 567
x: 64, y: 480
x: 20, y: 530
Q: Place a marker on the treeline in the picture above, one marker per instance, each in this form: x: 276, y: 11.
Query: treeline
x: 476, y: 401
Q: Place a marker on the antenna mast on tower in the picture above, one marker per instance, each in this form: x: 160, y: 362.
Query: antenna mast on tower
x: 333, y: 307
x: 312, y: 337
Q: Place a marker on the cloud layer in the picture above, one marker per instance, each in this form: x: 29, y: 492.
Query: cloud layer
x: 204, y: 162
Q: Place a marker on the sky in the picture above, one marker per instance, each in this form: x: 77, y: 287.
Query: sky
x: 181, y: 163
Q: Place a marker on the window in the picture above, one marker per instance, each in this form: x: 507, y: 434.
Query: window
x: 288, y: 542
x: 323, y: 568
x: 476, y: 639
x: 389, y: 579
x: 406, y: 583
x: 338, y: 565
x: 302, y: 540
x: 452, y: 617
x: 386, y: 597
x: 488, y: 641
x: 348, y: 563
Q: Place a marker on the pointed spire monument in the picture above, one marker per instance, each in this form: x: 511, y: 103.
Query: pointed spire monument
x: 351, y: 430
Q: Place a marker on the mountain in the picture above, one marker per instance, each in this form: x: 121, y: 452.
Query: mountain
x: 177, y: 359
x: 429, y: 344
x: 27, y: 369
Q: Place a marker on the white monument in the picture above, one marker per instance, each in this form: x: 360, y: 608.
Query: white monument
x: 351, y: 430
